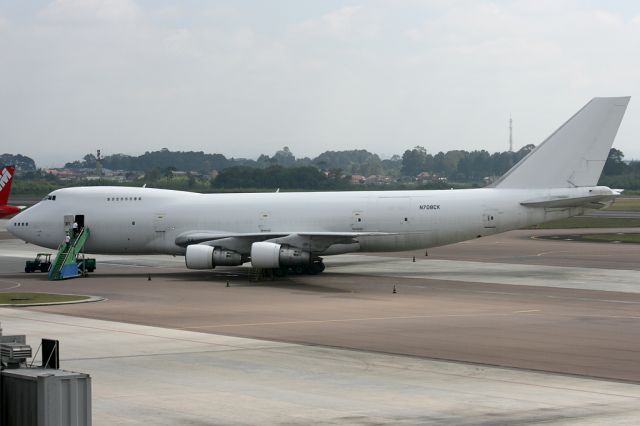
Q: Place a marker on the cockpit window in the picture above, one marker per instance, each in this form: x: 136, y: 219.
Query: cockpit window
x: 49, y: 197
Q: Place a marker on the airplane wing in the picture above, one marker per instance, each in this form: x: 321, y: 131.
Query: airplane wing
x: 241, y: 242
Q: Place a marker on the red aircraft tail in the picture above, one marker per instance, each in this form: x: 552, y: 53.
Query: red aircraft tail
x: 6, y: 177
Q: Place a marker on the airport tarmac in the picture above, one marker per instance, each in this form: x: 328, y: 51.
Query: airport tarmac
x: 151, y: 375
x: 508, y: 300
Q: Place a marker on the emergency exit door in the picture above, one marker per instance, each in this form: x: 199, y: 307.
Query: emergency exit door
x: 357, y: 220
x: 490, y: 218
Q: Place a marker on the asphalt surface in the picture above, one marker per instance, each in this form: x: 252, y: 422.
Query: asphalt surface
x: 144, y: 375
x: 546, y: 326
x: 523, y: 247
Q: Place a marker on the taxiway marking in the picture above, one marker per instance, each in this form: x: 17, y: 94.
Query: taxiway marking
x: 359, y: 319
x: 17, y: 284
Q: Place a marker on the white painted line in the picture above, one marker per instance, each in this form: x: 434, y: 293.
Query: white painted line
x: 17, y: 284
x: 355, y: 319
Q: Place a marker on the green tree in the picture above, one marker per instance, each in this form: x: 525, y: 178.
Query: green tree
x: 284, y: 157
x: 614, y: 164
x: 414, y: 161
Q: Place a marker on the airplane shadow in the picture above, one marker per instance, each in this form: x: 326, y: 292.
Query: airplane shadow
x: 235, y: 278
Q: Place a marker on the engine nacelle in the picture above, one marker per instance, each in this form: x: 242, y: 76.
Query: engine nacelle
x: 199, y: 256
x: 271, y: 255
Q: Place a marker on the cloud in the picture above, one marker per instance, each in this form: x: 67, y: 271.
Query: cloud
x: 168, y: 12
x: 88, y: 11
x: 4, y: 24
x: 245, y: 78
x: 346, y: 23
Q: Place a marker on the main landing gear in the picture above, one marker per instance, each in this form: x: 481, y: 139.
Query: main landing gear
x: 314, y: 268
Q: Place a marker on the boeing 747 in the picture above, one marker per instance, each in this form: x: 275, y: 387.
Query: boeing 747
x: 283, y: 231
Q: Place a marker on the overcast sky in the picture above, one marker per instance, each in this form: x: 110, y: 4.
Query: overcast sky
x: 248, y: 77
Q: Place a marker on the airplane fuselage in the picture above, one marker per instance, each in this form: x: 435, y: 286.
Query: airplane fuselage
x: 144, y: 220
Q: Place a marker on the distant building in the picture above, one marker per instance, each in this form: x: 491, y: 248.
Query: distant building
x: 61, y: 173
x: 358, y: 179
x: 378, y: 179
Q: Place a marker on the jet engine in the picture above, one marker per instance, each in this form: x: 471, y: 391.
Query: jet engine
x: 199, y: 256
x: 271, y: 255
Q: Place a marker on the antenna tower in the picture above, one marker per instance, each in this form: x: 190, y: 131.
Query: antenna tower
x: 98, y: 163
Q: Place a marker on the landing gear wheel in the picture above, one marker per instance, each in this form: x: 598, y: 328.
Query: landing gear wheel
x: 299, y: 269
x: 280, y: 272
x: 314, y: 269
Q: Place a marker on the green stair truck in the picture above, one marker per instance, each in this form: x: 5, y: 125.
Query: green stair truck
x: 69, y: 262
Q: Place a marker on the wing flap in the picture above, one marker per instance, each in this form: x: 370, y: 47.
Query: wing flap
x: 297, y: 239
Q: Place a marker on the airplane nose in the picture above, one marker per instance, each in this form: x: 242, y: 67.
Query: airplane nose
x: 12, y: 225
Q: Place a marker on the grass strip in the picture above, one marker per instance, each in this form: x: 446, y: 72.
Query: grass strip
x: 623, y: 238
x: 590, y: 222
x: 626, y: 204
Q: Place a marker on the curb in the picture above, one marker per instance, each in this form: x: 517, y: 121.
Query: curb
x: 90, y: 299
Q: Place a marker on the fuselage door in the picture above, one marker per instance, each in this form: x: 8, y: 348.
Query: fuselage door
x: 159, y: 222
x: 264, y: 222
x: 490, y: 218
x: 68, y: 222
x: 357, y: 220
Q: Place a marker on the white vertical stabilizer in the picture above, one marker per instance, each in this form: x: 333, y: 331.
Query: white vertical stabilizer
x: 573, y: 155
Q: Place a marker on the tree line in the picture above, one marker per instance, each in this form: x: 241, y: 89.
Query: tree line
x: 456, y: 164
x: 331, y: 170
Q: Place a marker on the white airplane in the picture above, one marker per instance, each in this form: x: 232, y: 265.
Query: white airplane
x: 291, y: 231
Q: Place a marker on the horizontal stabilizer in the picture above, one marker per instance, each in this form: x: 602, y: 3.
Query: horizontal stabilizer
x: 596, y: 201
